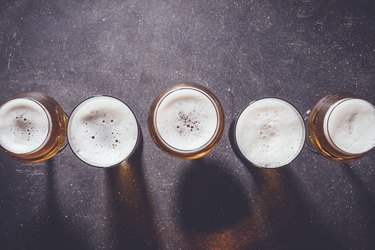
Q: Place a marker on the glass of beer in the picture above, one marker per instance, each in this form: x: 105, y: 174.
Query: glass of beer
x: 103, y: 131
x: 32, y: 127
x: 186, y: 120
x: 269, y: 133
x: 341, y: 126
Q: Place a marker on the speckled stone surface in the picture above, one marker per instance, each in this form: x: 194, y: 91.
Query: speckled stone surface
x: 241, y: 50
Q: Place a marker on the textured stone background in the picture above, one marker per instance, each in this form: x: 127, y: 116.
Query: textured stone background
x: 241, y: 50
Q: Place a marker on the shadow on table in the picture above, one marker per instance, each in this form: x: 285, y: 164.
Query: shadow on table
x: 369, y: 199
x: 210, y: 198
x: 57, y: 235
x: 28, y: 224
x: 129, y: 222
x: 217, y: 213
x: 291, y: 219
x: 132, y: 224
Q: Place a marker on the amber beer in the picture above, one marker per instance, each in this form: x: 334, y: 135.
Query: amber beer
x: 186, y: 120
x: 32, y: 127
x: 341, y: 126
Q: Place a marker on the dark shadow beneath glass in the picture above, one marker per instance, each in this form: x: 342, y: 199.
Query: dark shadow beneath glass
x: 292, y: 220
x: 29, y: 225
x: 132, y: 222
x: 58, y: 235
x: 210, y: 198
x: 288, y: 218
x: 367, y: 197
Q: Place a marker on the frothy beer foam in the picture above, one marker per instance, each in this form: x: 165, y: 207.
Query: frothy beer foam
x: 270, y: 133
x: 24, y: 126
x: 186, y: 119
x: 350, y: 125
x: 102, y: 131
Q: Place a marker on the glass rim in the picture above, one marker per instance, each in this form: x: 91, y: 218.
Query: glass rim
x: 125, y: 158
x: 330, y: 140
x: 153, y: 128
x: 298, y: 152
x: 48, y: 136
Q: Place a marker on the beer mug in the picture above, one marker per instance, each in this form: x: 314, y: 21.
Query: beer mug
x: 341, y: 126
x: 32, y: 127
x: 186, y: 120
x: 103, y: 131
x: 269, y: 133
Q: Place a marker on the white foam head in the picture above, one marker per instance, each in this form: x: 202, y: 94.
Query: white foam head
x: 102, y: 131
x: 270, y: 133
x: 350, y: 125
x: 186, y: 119
x: 24, y: 126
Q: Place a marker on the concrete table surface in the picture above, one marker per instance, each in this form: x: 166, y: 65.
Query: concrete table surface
x: 241, y: 50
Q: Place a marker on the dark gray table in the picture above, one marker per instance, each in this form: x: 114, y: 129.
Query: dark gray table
x: 297, y: 50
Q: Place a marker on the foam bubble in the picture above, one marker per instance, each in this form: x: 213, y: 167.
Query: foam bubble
x: 24, y: 126
x: 349, y: 125
x: 270, y: 133
x: 102, y: 131
x: 186, y: 119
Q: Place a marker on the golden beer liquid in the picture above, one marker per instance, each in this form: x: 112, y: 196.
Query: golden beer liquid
x: 316, y: 128
x: 56, y: 137
x: 186, y: 154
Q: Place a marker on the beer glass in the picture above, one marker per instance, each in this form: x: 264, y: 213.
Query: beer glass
x: 186, y: 120
x: 32, y: 127
x: 341, y: 126
x: 103, y: 131
x: 269, y: 133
